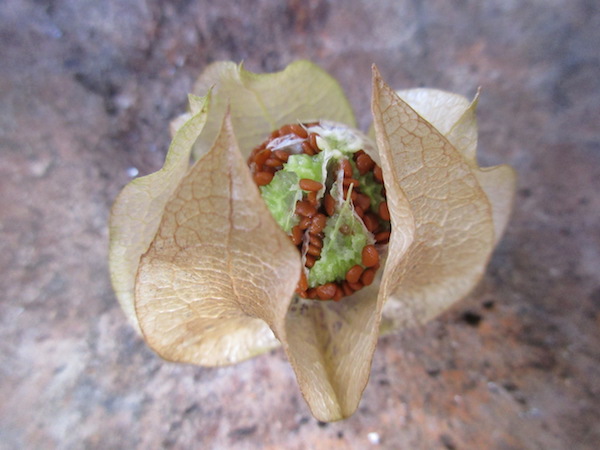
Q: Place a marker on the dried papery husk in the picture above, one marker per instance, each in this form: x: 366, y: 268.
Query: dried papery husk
x: 454, y: 233
x: 220, y: 270
x: 455, y: 117
x: 261, y: 103
x: 330, y: 346
x: 216, y: 274
x: 137, y: 211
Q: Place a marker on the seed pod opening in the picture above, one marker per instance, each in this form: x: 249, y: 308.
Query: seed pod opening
x: 327, y: 193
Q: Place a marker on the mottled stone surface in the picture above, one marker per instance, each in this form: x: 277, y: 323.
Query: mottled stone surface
x: 86, y: 91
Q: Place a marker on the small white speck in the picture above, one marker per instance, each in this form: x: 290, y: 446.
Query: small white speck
x: 39, y: 168
x: 373, y: 437
x: 534, y: 413
x: 493, y: 387
x: 124, y: 101
x: 133, y: 172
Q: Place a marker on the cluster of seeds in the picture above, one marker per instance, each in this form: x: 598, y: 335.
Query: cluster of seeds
x: 308, y: 235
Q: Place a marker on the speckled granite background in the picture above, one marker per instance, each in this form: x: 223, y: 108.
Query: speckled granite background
x: 86, y: 91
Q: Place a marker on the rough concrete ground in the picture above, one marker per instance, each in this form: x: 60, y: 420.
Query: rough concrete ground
x: 86, y: 92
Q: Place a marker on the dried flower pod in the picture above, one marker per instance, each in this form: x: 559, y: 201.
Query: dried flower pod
x: 202, y: 269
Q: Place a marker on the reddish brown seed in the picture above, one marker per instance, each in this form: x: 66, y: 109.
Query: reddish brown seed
x: 363, y: 201
x: 315, y: 240
x: 312, y: 140
x: 329, y: 204
x: 306, y: 148
x: 354, y: 273
x: 312, y: 293
x: 262, y: 156
x: 345, y: 230
x: 378, y: 174
x: 310, y: 185
x: 384, y: 212
x: 310, y: 261
x: 359, y: 211
x: 282, y: 155
x: 318, y: 223
x: 304, y: 223
x: 357, y: 154
x: 273, y: 162
x: 304, y: 208
x: 297, y: 235
x: 263, y: 178
x: 364, y: 163
x: 311, y: 124
x: 367, y: 277
x: 299, y: 131
x: 370, y: 256
x: 347, y: 168
x: 303, y: 283
x: 253, y: 154
x: 326, y: 291
x: 371, y: 222
x: 269, y: 169
x: 314, y: 251
x: 355, y: 286
x: 383, y: 237
x: 348, y: 181
x: 275, y: 134
x: 347, y: 289
x: 311, y: 197
x: 339, y: 293
x: 286, y: 129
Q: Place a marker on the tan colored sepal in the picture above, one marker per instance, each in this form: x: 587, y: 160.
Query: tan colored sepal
x: 454, y: 117
x: 261, y: 103
x: 330, y: 346
x: 454, y: 233
x: 220, y: 270
x: 137, y: 211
